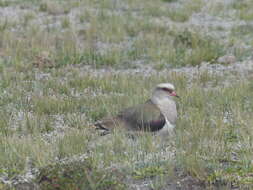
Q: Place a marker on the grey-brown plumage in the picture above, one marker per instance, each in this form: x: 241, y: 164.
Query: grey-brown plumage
x: 153, y: 115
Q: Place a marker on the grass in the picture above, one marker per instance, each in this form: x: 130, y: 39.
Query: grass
x: 52, y: 90
x: 180, y: 13
x: 54, y: 8
x: 111, y: 37
x: 85, y: 175
x: 242, y: 51
x: 183, y: 13
x: 207, y: 157
x: 243, y: 8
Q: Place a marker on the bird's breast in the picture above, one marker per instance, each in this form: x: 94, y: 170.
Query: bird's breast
x: 169, y: 110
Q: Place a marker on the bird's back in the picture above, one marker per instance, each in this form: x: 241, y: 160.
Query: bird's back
x: 145, y: 117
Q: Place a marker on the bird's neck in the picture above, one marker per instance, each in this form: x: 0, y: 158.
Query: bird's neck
x: 159, y: 97
x: 161, y: 100
x: 167, y: 107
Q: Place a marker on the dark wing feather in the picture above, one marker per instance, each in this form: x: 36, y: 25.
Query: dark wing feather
x: 145, y: 117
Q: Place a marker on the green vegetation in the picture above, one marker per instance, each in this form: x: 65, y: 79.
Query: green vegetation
x: 205, y: 143
x: 244, y: 8
x: 110, y: 37
x: 62, y: 68
x: 78, y: 176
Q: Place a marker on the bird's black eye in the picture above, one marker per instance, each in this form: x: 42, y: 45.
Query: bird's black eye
x: 167, y: 90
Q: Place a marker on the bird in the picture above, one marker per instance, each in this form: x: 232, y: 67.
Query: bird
x: 156, y: 114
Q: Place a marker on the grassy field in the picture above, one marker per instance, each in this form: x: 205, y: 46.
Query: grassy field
x: 65, y: 64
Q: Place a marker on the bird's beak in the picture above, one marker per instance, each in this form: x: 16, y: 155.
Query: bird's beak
x: 174, y: 94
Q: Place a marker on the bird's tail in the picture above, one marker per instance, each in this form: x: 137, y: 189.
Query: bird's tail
x: 107, y: 125
x: 102, y: 130
x: 99, y: 126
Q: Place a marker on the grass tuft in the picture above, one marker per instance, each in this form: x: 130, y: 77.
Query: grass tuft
x: 72, y: 68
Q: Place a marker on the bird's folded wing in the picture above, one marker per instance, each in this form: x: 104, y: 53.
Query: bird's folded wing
x: 145, y: 117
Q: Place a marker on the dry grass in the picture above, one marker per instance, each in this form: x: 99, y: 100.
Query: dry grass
x: 49, y: 97
x: 213, y: 126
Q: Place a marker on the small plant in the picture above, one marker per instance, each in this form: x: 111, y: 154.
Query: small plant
x: 148, y: 172
x: 78, y: 176
x: 54, y: 8
x: 43, y: 7
x: 65, y: 23
x: 169, y: 1
x: 244, y: 9
x: 28, y: 17
x: 4, y: 3
x: 193, y: 48
x: 184, y: 12
x: 4, y: 25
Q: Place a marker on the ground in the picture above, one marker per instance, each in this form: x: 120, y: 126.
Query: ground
x: 66, y: 64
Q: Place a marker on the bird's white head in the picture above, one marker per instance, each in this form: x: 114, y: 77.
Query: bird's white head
x: 165, y: 90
